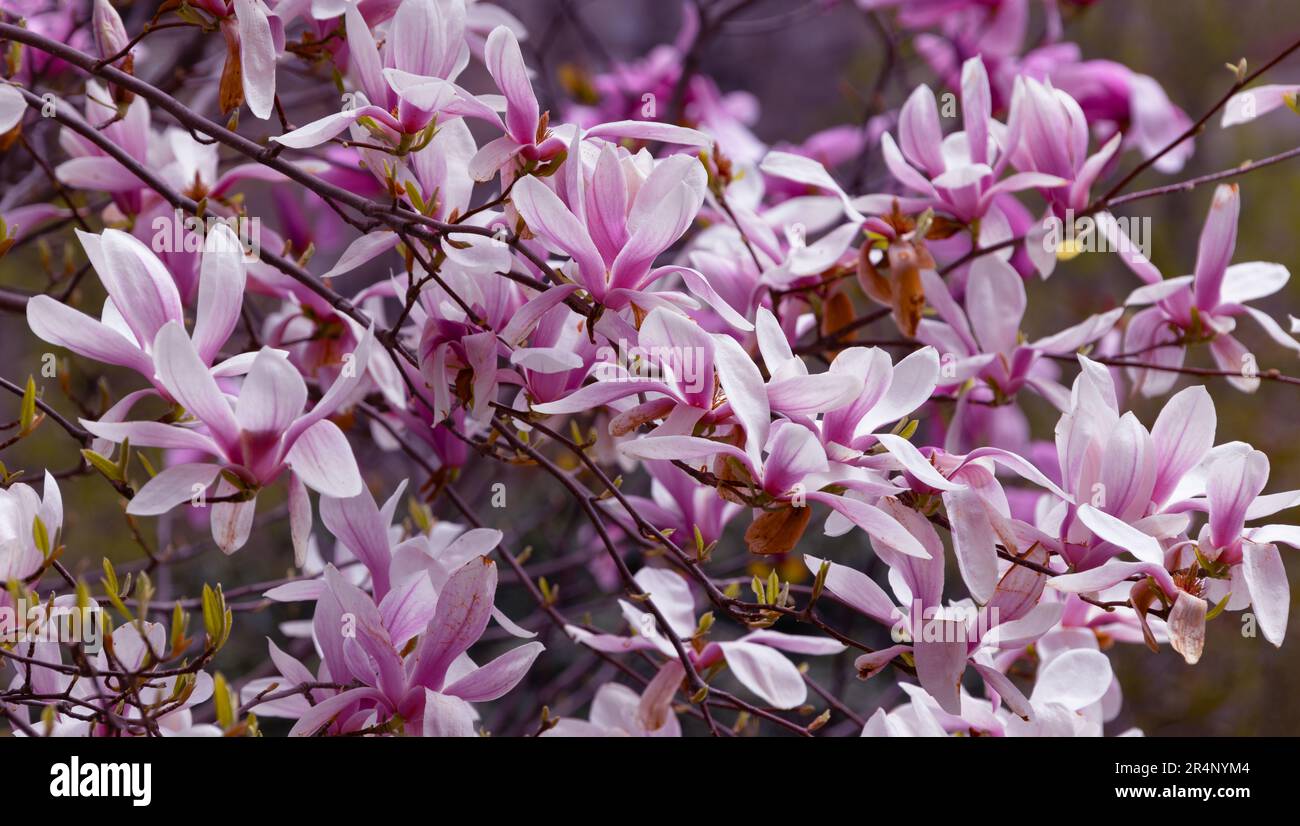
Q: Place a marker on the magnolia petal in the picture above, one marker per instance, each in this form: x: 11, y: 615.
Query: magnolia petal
x: 1075, y: 679
x: 323, y: 459
x: 1186, y: 625
x: 1270, y: 594
x: 498, y: 677
x: 765, y: 672
x: 173, y: 485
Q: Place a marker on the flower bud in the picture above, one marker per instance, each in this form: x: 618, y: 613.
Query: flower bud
x: 110, y: 34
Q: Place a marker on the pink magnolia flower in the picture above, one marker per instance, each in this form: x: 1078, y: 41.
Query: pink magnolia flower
x: 684, y: 372
x: 796, y: 467
x: 618, y: 711
x: 397, y: 570
x: 20, y: 508
x: 89, y: 167
x: 1117, y: 100
x: 1066, y: 701
x: 1114, y: 98
x: 1136, y: 490
x: 109, y: 32
x: 984, y: 340
x: 526, y: 135
x: 1117, y: 473
x: 264, y: 435
x: 1204, y: 305
x: 754, y: 658
x: 959, y: 174
x: 1052, y: 134
x: 142, y: 299
x: 431, y: 688
x: 258, y: 34
x: 614, y: 227
x: 402, y: 89
x: 944, y: 639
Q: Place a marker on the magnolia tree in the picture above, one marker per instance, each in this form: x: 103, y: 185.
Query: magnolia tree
x: 325, y: 285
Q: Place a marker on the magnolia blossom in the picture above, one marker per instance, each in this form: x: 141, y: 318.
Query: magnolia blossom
x: 21, y: 509
x: 618, y: 711
x: 607, y: 351
x: 964, y: 168
x: 755, y: 658
x: 1204, y: 306
x: 263, y: 435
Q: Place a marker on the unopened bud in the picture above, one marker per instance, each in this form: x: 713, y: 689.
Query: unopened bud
x: 110, y: 34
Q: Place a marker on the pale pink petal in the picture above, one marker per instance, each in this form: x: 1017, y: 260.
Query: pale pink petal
x: 323, y: 459
x: 256, y: 57
x: 221, y: 292
x: 232, y: 522
x: 919, y: 132
x: 464, y: 607
x: 97, y: 173
x: 1122, y: 535
x: 1075, y: 679
x: 1186, y: 626
x: 320, y: 131
x: 361, y: 251
x: 940, y: 648
x: 272, y: 396
x: 672, y: 596
x: 505, y: 63
x: 1218, y: 240
x: 857, y: 590
x: 356, y: 522
x: 176, y: 484
x: 1182, y: 435
x: 1012, y: 696
x: 548, y: 217
x: 995, y: 303
x: 299, y: 519
x: 746, y: 392
x: 12, y: 107
x: 795, y: 643
x: 1270, y: 594
x: 153, y: 434
x: 187, y: 380
x: 878, y: 524
x: 973, y: 541
x: 447, y: 716
x: 1233, y: 481
x: 61, y: 325
x: 498, y: 677
x: 141, y: 287
x: 651, y: 131
x: 1245, y: 106
x: 765, y: 672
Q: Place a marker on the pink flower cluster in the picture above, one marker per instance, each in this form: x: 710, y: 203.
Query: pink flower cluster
x: 662, y: 303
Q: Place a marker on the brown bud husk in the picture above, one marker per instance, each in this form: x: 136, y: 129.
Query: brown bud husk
x: 837, y: 314
x: 905, y: 262
x: 873, y: 283
x: 1141, y: 597
x: 231, y: 95
x: 8, y: 139
x: 777, y: 531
